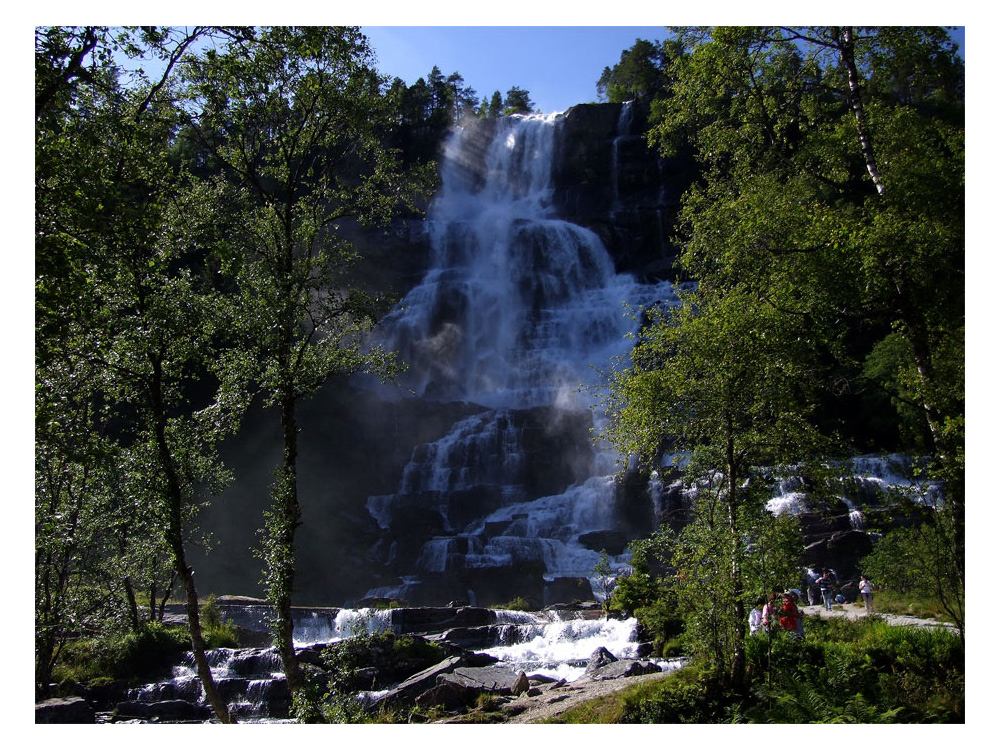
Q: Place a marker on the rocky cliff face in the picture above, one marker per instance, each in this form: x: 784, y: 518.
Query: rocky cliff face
x: 607, y: 179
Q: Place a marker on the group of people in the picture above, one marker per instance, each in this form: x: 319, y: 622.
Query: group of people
x: 827, y: 586
x: 779, y: 612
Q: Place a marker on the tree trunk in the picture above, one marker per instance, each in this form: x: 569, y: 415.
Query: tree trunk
x: 218, y: 705
x: 166, y: 596
x: 282, y: 575
x: 175, y: 539
x: 738, y: 672
x: 845, y: 46
x: 133, y: 605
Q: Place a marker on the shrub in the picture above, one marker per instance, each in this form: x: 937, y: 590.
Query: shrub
x: 843, y: 672
x: 210, y: 613
x: 153, y: 648
x: 864, y: 671
x: 693, y: 695
x: 392, y: 657
x: 518, y: 604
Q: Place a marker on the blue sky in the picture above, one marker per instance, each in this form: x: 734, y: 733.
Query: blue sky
x: 558, y: 65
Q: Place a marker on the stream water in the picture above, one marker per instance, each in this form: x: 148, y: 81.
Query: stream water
x: 550, y: 643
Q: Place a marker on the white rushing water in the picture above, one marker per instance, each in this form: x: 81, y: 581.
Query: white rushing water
x: 519, y: 309
x: 554, y: 644
x: 871, y: 478
x: 518, y: 305
x: 560, y: 648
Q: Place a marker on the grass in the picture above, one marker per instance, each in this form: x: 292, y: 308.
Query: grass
x: 610, y: 709
x: 891, y: 602
x: 517, y: 604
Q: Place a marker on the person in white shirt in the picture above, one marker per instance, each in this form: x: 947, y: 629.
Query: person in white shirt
x: 865, y: 587
x: 757, y: 616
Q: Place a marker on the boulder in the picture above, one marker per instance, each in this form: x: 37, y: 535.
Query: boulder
x: 103, y: 695
x: 486, y: 636
x: 72, y: 710
x: 612, y: 542
x: 410, y: 688
x: 566, y: 590
x: 622, y: 668
x: 449, y: 695
x: 168, y: 711
x: 600, y: 658
x: 850, y: 591
x: 839, y: 551
x: 497, y: 680
x: 521, y: 684
x: 438, y: 619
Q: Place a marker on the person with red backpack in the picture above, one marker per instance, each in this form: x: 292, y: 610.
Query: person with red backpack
x: 789, y: 616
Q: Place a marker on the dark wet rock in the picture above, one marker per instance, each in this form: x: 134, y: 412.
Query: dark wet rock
x: 496, y: 679
x: 600, y: 658
x: 613, y: 542
x: 622, y: 668
x: 449, y: 695
x: 72, y: 710
x: 165, y: 711
x: 419, y: 683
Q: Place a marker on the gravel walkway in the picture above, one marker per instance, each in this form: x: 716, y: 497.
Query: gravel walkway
x: 856, y: 611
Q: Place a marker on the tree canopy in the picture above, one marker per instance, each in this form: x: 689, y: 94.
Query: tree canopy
x: 826, y: 236
x: 188, y: 258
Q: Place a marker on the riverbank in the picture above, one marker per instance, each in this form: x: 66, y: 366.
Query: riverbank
x: 553, y: 703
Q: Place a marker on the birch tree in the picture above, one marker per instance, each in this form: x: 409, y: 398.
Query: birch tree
x: 295, y: 118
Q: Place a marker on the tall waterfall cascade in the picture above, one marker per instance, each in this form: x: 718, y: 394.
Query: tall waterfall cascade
x: 519, y: 313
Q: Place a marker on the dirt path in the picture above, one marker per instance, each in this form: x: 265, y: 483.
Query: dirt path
x: 856, y: 611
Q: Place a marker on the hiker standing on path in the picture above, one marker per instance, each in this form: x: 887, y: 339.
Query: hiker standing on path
x: 865, y: 588
x: 800, y: 627
x: 826, y: 582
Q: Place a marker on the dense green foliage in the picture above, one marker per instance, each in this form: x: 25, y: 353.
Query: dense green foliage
x: 642, y: 73
x: 295, y: 118
x: 126, y: 326
x: 370, y: 661
x: 844, y: 672
x: 919, y: 561
x: 187, y: 249
x: 826, y: 236
x: 135, y: 656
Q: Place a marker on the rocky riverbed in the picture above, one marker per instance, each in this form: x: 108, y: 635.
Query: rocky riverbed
x: 443, y: 690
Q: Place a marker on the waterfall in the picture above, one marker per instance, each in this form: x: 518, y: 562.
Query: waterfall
x: 518, y: 312
x: 624, y: 127
x: 864, y: 480
x: 518, y: 305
